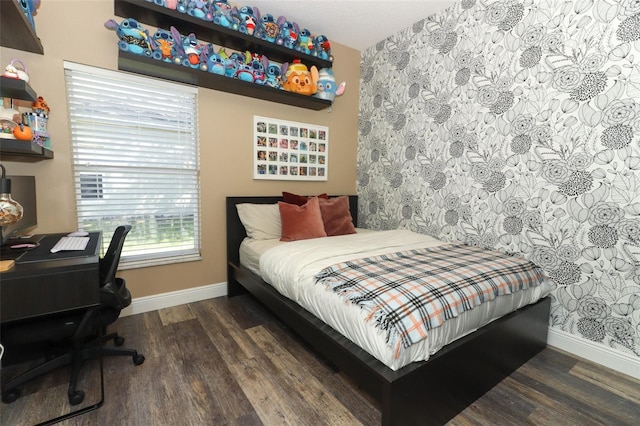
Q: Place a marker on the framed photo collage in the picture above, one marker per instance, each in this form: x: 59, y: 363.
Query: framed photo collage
x: 287, y: 150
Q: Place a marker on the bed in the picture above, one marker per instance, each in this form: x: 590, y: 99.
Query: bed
x: 411, y: 392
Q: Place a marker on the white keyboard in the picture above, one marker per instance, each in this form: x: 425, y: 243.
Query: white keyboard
x: 70, y: 243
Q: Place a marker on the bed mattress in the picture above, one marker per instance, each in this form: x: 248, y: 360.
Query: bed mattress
x: 290, y: 267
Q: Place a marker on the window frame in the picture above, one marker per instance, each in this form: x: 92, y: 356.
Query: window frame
x: 146, y: 255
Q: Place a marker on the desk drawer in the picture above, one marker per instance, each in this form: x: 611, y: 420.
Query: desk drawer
x: 48, y: 293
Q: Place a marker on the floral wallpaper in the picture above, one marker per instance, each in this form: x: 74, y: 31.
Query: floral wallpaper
x: 515, y: 125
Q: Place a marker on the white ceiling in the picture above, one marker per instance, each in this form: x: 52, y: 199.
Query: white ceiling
x: 354, y: 23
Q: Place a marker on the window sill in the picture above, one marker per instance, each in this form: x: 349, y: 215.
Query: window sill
x: 137, y: 264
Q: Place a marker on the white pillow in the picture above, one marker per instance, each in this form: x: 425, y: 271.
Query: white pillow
x: 261, y: 221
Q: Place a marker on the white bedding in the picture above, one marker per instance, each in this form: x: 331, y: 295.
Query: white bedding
x: 290, y: 268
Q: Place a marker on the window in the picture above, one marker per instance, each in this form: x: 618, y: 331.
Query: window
x: 135, y: 161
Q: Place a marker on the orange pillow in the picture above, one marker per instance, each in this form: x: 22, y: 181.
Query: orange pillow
x: 336, y: 216
x: 298, y: 200
x: 301, y: 222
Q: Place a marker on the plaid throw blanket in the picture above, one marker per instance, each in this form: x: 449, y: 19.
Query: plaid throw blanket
x: 410, y: 292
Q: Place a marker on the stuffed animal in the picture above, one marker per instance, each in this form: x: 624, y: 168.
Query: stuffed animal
x: 28, y: 8
x: 273, y: 73
x: 163, y: 44
x: 230, y: 64
x: 288, y: 36
x: 214, y: 61
x: 200, y: 9
x: 133, y: 38
x: 182, y: 6
x: 327, y: 87
x: 40, y: 106
x: 305, y: 42
x: 188, y: 50
x: 259, y: 64
x: 222, y: 15
x: 299, y: 79
x: 267, y: 28
x: 248, y: 17
x: 322, y: 48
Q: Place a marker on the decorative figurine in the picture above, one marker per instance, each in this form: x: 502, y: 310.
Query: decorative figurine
x: 299, y: 79
x: 22, y: 132
x: 13, y: 71
x: 327, y: 88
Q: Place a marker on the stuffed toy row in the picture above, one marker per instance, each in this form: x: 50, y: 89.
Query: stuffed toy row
x: 188, y: 51
x: 249, y: 20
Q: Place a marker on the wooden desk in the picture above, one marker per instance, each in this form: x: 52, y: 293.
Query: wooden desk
x: 43, y: 283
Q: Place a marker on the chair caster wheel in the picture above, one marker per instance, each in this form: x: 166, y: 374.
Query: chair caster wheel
x: 138, y: 359
x: 118, y: 341
x: 11, y: 395
x: 76, y: 397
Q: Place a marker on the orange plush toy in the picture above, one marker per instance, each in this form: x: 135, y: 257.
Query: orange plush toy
x: 299, y: 79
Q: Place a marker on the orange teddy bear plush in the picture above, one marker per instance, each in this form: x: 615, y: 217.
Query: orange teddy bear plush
x: 299, y: 79
x: 40, y: 106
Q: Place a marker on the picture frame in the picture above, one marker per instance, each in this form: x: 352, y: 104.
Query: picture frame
x: 289, y: 150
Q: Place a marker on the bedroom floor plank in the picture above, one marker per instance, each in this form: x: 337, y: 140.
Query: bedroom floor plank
x: 609, y: 380
x: 231, y: 340
x: 327, y: 407
x: 580, y: 394
x: 229, y: 361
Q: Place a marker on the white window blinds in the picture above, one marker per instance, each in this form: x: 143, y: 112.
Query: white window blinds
x: 135, y: 161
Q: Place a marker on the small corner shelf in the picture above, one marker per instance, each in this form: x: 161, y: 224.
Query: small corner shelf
x: 15, y: 30
x: 155, y: 68
x: 15, y: 88
x: 15, y: 150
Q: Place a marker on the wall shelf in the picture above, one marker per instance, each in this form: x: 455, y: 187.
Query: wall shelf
x: 154, y: 68
x: 151, y: 14
x: 13, y: 149
x: 15, y: 88
x: 15, y: 30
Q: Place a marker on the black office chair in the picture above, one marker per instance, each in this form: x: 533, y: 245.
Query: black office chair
x: 72, y: 337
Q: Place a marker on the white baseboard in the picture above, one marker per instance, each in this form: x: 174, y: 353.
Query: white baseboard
x: 174, y: 298
x: 609, y: 357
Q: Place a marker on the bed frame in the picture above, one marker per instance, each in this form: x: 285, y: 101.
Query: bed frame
x: 426, y: 392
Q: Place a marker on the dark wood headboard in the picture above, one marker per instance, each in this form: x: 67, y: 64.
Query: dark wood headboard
x: 236, y: 232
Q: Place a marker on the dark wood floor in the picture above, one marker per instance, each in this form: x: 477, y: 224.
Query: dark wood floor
x: 228, y: 361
